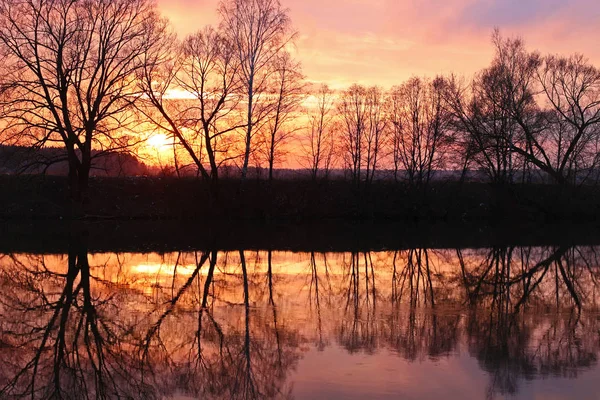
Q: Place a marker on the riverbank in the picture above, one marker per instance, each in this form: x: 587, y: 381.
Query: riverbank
x: 46, y: 198
x: 58, y: 237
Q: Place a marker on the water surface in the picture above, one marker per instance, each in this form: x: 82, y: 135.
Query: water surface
x: 503, y: 322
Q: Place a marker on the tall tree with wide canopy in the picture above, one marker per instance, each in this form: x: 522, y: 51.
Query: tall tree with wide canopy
x: 258, y: 31
x: 69, y: 75
x: 192, y: 94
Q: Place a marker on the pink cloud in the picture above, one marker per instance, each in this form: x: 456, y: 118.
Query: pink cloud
x: 386, y: 41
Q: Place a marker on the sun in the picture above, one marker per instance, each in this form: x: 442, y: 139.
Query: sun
x: 159, y: 141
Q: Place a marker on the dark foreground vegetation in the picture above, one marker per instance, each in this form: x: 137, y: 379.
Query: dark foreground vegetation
x: 47, y: 198
x: 60, y: 237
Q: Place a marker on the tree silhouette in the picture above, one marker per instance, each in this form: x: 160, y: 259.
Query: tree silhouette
x: 258, y: 31
x: 70, y: 75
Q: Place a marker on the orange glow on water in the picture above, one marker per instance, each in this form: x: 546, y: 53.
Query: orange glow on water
x: 278, y: 321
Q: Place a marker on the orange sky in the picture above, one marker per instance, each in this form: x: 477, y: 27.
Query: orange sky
x: 384, y: 42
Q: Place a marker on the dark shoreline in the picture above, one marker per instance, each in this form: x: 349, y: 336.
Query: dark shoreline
x: 24, y: 198
x: 328, y: 236
x: 170, y: 214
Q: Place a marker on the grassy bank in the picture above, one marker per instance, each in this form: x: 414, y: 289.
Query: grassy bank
x: 37, y: 197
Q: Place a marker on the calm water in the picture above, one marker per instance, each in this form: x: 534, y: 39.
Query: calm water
x: 489, y: 323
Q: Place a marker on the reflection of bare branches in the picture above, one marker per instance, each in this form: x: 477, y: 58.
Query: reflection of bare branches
x: 63, y: 340
x: 153, y: 332
x: 233, y: 325
x: 224, y: 359
x: 512, y: 345
x: 315, y: 288
x: 515, y: 347
x: 415, y: 334
x: 244, y: 384
x: 511, y: 278
x: 358, y: 330
x: 414, y: 277
x: 273, y: 306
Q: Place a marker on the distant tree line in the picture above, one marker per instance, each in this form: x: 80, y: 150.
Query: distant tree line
x: 53, y: 161
x: 98, y: 76
x: 524, y: 116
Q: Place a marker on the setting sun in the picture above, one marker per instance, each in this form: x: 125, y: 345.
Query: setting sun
x: 159, y: 142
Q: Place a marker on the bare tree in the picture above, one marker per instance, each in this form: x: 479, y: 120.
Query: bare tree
x: 69, y: 75
x: 204, y: 120
x: 288, y: 93
x: 513, y: 79
x: 530, y: 111
x: 375, y: 134
x: 419, y: 123
x: 572, y: 90
x: 353, y: 114
x: 257, y: 30
x: 362, y: 114
x: 485, y: 128
x: 395, y: 116
x: 557, y: 138
x: 320, y: 133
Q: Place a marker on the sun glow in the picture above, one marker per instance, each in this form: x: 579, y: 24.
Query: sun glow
x: 162, y: 269
x: 159, y: 142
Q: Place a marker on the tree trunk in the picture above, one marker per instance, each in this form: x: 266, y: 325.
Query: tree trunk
x: 214, y: 189
x: 83, y: 183
x: 74, y: 183
x: 78, y: 181
x: 271, y: 158
x: 249, y: 126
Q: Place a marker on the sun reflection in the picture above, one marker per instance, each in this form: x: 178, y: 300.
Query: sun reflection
x: 163, y: 269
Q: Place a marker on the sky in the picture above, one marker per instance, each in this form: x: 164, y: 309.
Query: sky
x: 384, y: 42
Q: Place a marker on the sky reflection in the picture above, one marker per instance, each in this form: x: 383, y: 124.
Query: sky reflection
x: 420, y: 323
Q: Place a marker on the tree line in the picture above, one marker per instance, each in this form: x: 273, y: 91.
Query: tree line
x: 90, y: 76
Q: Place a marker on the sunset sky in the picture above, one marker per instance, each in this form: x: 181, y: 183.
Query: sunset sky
x: 384, y: 42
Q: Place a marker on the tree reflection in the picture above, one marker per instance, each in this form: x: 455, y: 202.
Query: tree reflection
x: 212, y: 324
x: 316, y: 296
x: 413, y: 278
x: 415, y: 335
x: 231, y: 354
x: 73, y: 334
x: 61, y: 338
x: 358, y: 329
x: 512, y: 344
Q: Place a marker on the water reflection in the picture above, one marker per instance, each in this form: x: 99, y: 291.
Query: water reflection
x: 239, y: 324
x: 64, y: 331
